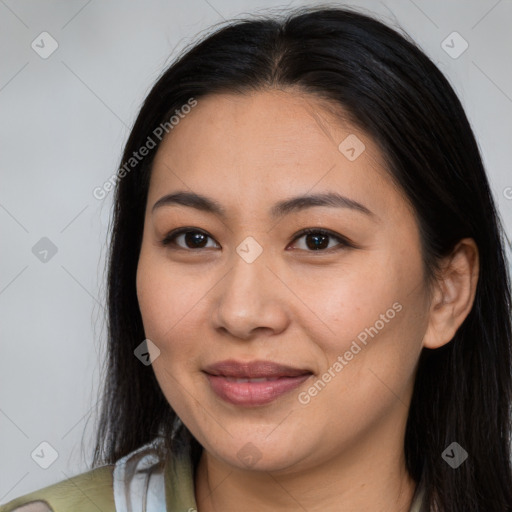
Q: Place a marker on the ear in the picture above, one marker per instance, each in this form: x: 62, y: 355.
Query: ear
x: 454, y: 294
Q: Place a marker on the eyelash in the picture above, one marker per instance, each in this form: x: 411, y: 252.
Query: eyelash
x: 343, y: 242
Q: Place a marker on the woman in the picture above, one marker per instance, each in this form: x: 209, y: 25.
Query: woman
x: 309, y: 304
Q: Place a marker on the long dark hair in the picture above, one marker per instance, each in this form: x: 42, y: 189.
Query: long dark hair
x: 395, y: 94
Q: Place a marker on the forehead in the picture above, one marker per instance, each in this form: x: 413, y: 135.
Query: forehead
x: 268, y: 144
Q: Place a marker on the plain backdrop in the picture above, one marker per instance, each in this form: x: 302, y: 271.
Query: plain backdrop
x: 64, y: 119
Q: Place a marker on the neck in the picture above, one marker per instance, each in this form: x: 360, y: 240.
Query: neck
x: 367, y: 476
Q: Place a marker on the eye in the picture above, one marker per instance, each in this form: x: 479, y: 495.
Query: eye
x: 192, y: 238
x: 317, y: 239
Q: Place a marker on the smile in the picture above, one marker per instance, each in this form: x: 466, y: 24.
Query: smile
x: 253, y: 392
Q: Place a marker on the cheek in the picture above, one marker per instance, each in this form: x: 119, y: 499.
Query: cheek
x: 350, y: 302
x: 159, y: 301
x: 167, y: 314
x: 151, y: 297
x: 376, y: 319
x: 170, y: 303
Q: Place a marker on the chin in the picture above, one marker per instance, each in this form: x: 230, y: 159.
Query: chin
x: 260, y: 455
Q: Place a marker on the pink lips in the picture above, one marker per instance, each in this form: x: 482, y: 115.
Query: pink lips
x: 253, y: 383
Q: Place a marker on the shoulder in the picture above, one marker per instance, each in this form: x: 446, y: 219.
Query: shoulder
x: 89, y: 491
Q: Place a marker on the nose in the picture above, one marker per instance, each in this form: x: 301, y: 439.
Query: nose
x: 250, y: 300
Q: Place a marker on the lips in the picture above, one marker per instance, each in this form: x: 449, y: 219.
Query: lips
x: 254, y: 370
x: 254, y: 383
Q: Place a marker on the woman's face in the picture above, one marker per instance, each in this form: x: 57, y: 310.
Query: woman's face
x: 245, y: 286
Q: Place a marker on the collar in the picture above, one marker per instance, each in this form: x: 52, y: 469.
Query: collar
x: 179, y: 483
x: 142, y: 481
x: 179, y: 480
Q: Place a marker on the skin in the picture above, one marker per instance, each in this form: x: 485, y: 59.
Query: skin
x: 343, y: 450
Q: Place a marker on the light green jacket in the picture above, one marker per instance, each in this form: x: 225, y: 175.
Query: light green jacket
x: 137, y: 482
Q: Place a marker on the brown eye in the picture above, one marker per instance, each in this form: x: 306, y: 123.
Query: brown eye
x: 316, y: 240
x: 319, y: 240
x: 190, y: 239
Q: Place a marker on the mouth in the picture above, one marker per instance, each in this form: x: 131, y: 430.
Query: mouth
x: 253, y: 383
x: 259, y: 379
x: 254, y: 370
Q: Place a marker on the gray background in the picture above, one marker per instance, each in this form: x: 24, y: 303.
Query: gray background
x: 64, y: 120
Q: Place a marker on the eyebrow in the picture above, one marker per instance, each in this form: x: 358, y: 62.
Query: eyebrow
x: 280, y: 209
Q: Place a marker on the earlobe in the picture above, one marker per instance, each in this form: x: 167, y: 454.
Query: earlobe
x: 454, y: 295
